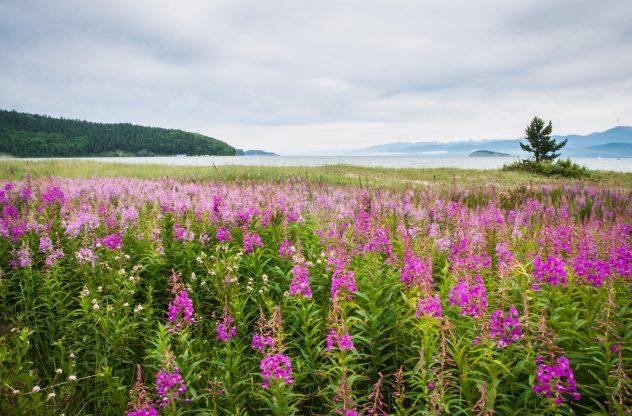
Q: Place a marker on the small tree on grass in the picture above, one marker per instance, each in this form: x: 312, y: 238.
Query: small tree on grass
x: 541, y: 144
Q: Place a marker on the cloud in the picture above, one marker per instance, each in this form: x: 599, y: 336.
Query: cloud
x: 288, y: 76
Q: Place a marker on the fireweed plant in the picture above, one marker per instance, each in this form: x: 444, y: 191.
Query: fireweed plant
x: 169, y: 297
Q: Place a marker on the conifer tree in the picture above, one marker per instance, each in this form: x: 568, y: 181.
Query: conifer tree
x: 540, y: 142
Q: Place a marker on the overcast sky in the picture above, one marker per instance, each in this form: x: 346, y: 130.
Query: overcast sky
x: 290, y: 76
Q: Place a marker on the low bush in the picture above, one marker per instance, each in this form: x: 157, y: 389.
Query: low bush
x: 564, y: 168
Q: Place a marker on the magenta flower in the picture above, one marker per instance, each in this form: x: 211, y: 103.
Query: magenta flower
x: 556, y: 380
x: 471, y: 298
x: 341, y: 339
x: 169, y: 386
x: 224, y: 331
x: 112, y: 241
x: 261, y: 342
x: 550, y: 271
x: 251, y: 241
x: 182, y: 234
x: 300, y: 281
x: 180, y: 312
x: 223, y: 234
x: 505, y: 328
x: 287, y: 250
x: 276, y: 367
x: 430, y: 306
x: 416, y: 272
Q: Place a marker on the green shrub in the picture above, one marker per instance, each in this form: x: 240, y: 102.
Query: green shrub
x: 564, y: 168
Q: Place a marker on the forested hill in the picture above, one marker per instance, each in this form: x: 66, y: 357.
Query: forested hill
x: 29, y: 135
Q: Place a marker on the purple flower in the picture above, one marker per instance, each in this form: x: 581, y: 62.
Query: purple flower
x: 341, y: 338
x: 505, y: 328
x: 276, y: 367
x: 471, y: 298
x: 260, y: 342
x: 45, y: 244
x: 85, y: 256
x: 556, y: 380
x: 341, y: 279
x: 287, y: 250
x: 180, y: 311
x: 169, y: 386
x: 416, y: 272
x: 430, y: 306
x: 22, y: 258
x: 53, y: 195
x: 10, y: 212
x: 112, y: 241
x: 550, y: 271
x: 223, y: 235
x: 300, y: 281
x: 224, y: 331
x: 181, y: 233
x: 251, y: 241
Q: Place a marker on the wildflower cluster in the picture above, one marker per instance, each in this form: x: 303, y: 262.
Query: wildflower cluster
x: 550, y: 271
x: 430, y: 306
x: 505, y: 328
x: 276, y: 367
x: 180, y: 311
x: 169, y: 385
x: 341, y: 338
x: 300, y: 280
x: 471, y: 298
x: 556, y: 381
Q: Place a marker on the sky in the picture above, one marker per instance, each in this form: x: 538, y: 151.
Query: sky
x: 294, y: 76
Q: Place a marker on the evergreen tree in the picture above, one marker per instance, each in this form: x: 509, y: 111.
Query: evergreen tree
x: 541, y: 144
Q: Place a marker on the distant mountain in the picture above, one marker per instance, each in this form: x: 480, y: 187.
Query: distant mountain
x: 241, y: 152
x: 31, y: 135
x: 615, y: 142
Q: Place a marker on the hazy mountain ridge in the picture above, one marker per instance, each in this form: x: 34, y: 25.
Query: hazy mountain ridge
x: 615, y: 142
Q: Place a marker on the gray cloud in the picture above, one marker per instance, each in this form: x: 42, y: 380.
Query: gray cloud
x: 287, y: 75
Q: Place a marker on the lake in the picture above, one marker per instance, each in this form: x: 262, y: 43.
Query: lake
x: 464, y: 162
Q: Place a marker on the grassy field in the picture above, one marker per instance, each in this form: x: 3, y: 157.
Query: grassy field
x: 330, y: 174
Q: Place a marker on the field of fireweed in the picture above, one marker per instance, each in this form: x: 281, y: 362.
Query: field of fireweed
x: 145, y: 297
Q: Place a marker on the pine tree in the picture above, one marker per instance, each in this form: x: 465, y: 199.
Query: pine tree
x: 541, y: 144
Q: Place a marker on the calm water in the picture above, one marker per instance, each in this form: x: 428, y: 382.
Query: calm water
x: 621, y: 165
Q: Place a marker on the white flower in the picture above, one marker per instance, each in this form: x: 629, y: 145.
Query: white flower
x: 100, y: 289
x: 36, y: 389
x: 72, y: 378
x: 51, y: 395
x: 15, y: 391
x: 59, y: 371
x: 125, y: 305
x: 84, y: 292
x: 138, y: 308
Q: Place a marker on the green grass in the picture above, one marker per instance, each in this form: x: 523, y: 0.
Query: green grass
x: 330, y: 174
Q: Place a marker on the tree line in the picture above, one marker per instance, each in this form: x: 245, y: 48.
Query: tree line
x: 30, y: 135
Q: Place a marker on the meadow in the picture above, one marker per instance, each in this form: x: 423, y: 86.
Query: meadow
x: 335, y: 290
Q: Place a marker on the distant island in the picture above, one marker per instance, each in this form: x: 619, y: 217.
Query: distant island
x: 31, y: 135
x: 241, y: 152
x: 487, y: 153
